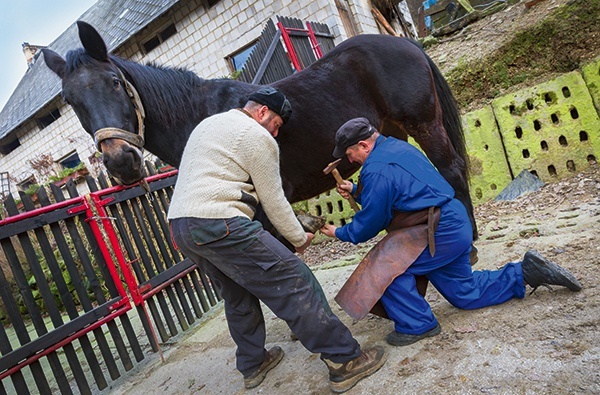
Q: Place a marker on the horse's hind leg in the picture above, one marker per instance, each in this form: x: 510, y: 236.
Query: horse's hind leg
x: 434, y: 141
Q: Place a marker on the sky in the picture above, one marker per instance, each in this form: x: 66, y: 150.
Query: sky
x: 38, y: 22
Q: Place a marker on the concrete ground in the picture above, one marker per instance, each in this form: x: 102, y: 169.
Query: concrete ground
x: 546, y: 343
x: 202, y: 361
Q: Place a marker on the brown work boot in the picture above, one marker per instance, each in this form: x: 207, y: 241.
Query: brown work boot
x: 343, y: 376
x: 272, y: 359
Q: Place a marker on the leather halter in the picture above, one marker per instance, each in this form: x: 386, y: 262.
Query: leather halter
x: 117, y: 133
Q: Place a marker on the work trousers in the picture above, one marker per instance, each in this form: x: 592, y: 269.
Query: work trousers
x: 450, y: 272
x: 248, y: 265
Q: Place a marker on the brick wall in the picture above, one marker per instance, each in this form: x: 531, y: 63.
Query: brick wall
x: 205, y: 37
x: 60, y: 138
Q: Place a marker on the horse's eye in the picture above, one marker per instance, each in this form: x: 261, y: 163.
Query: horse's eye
x: 116, y: 83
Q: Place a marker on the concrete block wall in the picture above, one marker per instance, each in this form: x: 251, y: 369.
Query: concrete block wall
x: 489, y: 169
x: 330, y: 205
x: 591, y: 75
x: 551, y: 129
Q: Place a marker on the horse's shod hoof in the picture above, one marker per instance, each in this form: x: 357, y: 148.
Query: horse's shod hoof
x: 310, y: 223
x: 473, y: 256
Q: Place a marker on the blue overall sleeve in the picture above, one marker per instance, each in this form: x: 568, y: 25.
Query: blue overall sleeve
x: 377, y: 199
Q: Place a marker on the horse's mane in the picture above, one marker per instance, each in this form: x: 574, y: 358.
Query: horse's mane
x: 160, y: 87
x: 76, y: 58
x: 163, y: 87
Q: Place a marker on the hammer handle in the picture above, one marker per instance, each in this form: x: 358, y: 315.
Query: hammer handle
x: 340, y: 181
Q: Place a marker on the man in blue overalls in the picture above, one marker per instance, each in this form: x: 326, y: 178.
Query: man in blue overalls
x: 397, y: 179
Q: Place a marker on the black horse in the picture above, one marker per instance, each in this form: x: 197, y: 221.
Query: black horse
x: 388, y: 80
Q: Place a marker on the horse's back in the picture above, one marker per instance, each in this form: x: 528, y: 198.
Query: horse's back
x: 393, y: 73
x: 374, y: 49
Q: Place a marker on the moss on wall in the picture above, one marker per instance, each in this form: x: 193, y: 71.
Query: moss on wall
x: 591, y: 75
x: 489, y: 169
x: 550, y: 129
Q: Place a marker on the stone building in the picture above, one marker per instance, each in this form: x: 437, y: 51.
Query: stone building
x: 40, y: 135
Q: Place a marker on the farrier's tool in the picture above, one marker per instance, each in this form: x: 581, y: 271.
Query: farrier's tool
x: 332, y: 168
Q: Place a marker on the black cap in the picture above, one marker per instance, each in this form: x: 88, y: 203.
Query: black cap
x: 351, y: 133
x: 275, y: 100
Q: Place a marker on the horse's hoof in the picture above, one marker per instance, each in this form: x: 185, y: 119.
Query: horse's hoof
x: 473, y: 257
x: 310, y: 223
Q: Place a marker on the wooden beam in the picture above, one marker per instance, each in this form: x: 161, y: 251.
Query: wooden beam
x: 381, y: 19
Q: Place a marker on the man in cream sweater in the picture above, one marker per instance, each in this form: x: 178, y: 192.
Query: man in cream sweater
x: 229, y: 166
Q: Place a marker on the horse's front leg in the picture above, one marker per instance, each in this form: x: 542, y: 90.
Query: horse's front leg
x: 261, y: 217
x: 310, y: 223
x: 452, y: 167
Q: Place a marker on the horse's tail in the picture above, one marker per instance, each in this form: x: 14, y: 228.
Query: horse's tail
x: 450, y: 113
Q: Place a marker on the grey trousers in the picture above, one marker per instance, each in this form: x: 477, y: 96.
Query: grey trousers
x: 247, y: 265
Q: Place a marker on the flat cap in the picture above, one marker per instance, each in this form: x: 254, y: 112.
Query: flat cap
x: 275, y: 100
x: 350, y: 133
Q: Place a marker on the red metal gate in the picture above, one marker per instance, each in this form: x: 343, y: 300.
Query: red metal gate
x: 113, y: 247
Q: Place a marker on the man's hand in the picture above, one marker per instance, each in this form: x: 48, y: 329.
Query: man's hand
x: 328, y: 230
x: 345, y: 189
x: 302, y: 248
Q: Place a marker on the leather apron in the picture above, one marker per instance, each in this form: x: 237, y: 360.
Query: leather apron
x: 408, y: 236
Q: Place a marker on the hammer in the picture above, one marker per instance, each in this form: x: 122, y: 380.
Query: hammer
x: 332, y: 168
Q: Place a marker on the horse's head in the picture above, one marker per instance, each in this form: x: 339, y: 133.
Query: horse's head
x: 106, y: 104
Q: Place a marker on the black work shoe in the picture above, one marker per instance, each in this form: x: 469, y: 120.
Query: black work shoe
x: 274, y: 356
x: 343, y: 376
x: 404, y: 339
x: 537, y: 271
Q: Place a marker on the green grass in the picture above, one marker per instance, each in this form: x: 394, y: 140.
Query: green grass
x: 557, y: 45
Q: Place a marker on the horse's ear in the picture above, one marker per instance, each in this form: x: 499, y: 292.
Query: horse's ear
x: 92, y: 42
x: 54, y: 62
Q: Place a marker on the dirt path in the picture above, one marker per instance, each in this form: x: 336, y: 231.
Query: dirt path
x: 547, y: 343
x: 485, y: 36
